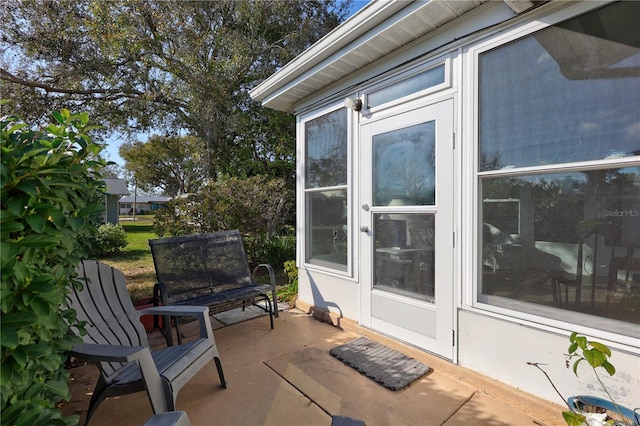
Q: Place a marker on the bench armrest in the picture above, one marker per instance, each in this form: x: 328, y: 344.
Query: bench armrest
x: 272, y: 281
x: 107, y: 353
x: 201, y: 313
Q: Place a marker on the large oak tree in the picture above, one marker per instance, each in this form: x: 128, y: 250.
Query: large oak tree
x: 167, y: 67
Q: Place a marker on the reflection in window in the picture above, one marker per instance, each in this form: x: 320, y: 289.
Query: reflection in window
x: 570, y: 93
x: 326, y: 150
x: 578, y: 246
x: 327, y: 237
x: 404, y: 166
x: 404, y: 260
x: 326, y: 190
x: 409, y: 86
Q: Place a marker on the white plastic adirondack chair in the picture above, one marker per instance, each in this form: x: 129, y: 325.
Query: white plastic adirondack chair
x: 117, y: 342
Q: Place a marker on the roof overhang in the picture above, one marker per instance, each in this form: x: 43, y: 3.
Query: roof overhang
x: 375, y: 31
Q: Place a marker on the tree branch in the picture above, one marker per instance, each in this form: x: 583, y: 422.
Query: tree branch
x: 7, y: 76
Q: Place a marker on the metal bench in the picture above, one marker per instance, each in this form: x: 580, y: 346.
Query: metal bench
x: 210, y: 270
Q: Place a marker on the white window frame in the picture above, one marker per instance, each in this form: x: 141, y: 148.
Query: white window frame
x: 538, y: 316
x: 405, y: 75
x: 302, y: 190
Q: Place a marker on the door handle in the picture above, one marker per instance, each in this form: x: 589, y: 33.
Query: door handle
x: 364, y: 228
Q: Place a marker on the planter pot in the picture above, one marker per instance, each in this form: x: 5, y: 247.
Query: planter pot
x: 147, y: 320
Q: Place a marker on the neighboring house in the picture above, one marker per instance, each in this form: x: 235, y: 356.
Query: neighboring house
x: 116, y: 188
x: 143, y: 203
x: 468, y: 181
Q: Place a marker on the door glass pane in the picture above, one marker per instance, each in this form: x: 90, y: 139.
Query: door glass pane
x: 404, y: 166
x: 327, y: 237
x: 573, y: 242
x: 567, y: 93
x: 404, y: 255
x: 326, y: 150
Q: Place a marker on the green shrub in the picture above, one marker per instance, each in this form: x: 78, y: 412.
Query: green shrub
x: 274, y: 249
x: 110, y: 239
x: 290, y: 292
x: 256, y: 206
x: 52, y: 199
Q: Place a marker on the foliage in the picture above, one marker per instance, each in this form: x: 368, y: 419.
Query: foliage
x: 52, y: 199
x: 290, y: 292
x: 596, y: 354
x: 177, y: 164
x: 110, y: 239
x: 256, y: 206
x: 271, y: 249
x: 173, y: 67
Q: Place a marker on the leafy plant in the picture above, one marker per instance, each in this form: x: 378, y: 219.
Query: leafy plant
x: 257, y: 205
x: 52, y: 199
x: 272, y: 249
x: 597, y: 355
x: 290, y: 292
x: 110, y: 239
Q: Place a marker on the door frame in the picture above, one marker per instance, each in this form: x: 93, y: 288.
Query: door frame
x: 442, y: 313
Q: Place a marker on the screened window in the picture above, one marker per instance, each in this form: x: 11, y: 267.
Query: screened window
x: 417, y: 83
x: 326, y: 166
x: 562, y: 238
x: 567, y: 93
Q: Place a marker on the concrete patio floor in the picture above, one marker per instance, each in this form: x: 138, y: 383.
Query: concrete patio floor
x: 286, y: 376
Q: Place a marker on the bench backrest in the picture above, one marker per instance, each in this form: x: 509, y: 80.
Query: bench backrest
x: 195, y: 265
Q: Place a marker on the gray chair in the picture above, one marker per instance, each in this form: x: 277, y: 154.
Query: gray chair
x: 117, y: 342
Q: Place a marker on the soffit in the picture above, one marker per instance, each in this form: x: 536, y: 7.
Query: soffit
x: 377, y: 30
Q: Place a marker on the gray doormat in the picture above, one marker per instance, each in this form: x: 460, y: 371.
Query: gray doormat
x: 386, y: 366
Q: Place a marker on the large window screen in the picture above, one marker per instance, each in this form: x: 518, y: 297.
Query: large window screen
x: 326, y: 190
x: 567, y: 93
x: 561, y: 238
x: 326, y: 150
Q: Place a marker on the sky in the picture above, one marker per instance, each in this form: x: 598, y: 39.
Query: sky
x: 113, y: 143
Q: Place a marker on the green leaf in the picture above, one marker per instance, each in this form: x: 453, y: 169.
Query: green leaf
x: 40, y: 307
x: 37, y: 350
x: 16, y: 127
x: 572, y: 348
x: 58, y: 118
x: 601, y: 347
x: 20, y: 357
x: 58, y: 388
x: 609, y: 368
x: 594, y: 358
x: 573, y: 419
x: 8, y: 251
x: 575, y: 365
x: 34, y: 390
x: 16, y: 205
x: 92, y: 209
x: 28, y: 187
x: 12, y: 226
x: 41, y: 241
x: 9, y: 337
x: 36, y: 222
x: 17, y: 319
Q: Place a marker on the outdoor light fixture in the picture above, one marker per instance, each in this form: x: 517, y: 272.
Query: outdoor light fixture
x: 354, y: 104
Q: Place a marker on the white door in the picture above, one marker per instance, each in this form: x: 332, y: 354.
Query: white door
x: 407, y: 226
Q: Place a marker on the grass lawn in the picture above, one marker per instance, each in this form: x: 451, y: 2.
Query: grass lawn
x: 136, y: 261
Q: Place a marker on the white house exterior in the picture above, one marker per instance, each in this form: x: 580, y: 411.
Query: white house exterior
x: 142, y: 203
x: 468, y: 182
